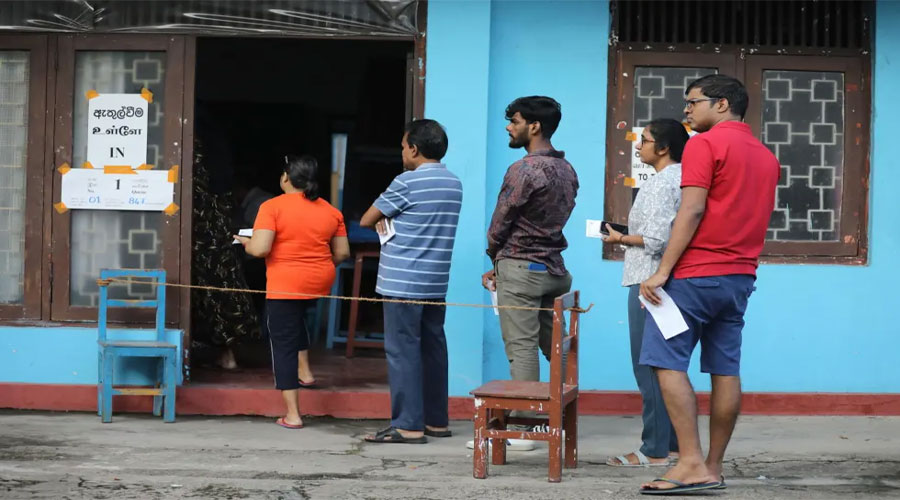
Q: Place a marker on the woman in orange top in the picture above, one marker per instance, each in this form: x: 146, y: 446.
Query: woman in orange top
x: 302, y: 238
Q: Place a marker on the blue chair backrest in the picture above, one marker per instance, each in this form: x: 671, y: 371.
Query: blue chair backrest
x: 159, y: 303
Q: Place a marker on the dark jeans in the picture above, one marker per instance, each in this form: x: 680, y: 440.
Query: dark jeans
x: 658, y: 436
x: 287, y: 337
x: 416, y: 352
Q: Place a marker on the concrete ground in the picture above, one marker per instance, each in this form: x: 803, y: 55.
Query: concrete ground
x: 73, y: 455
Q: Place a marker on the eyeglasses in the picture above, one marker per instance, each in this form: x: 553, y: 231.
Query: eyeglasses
x: 689, y: 103
x: 644, y: 141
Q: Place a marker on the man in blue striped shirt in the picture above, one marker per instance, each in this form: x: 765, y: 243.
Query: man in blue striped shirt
x: 423, y: 203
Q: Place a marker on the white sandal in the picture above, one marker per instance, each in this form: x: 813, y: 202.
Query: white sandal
x: 643, y: 461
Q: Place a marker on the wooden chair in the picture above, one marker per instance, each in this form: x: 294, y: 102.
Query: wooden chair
x: 557, y: 399
x: 353, y: 321
x: 163, y: 391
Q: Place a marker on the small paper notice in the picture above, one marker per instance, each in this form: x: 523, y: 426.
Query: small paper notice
x: 243, y: 232
x: 494, y: 298
x: 389, y: 231
x: 594, y: 229
x: 667, y: 315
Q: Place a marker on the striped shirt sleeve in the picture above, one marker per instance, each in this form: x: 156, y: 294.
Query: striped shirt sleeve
x: 395, y: 199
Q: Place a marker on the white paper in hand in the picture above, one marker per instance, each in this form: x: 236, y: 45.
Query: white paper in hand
x: 594, y: 229
x: 243, y: 232
x: 667, y: 315
x: 494, y: 299
x: 389, y: 231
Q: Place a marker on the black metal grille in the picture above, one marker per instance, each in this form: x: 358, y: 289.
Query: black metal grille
x: 217, y: 17
x: 818, y: 24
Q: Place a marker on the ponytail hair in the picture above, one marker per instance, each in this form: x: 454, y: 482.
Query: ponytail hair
x: 301, y: 171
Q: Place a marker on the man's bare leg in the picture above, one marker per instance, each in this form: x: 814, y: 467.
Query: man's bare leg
x: 681, y: 403
x: 725, y: 405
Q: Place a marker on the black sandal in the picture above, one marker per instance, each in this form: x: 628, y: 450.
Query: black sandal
x: 438, y: 434
x: 392, y: 435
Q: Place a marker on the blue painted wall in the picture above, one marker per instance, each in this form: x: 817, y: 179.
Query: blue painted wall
x: 68, y: 355
x: 565, y: 59
x: 456, y: 94
x: 813, y: 328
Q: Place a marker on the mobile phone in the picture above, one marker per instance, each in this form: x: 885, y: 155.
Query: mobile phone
x: 618, y: 227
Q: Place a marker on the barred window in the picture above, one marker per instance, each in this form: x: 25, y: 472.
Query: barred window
x: 806, y: 65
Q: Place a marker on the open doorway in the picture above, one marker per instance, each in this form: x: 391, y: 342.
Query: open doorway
x: 256, y: 100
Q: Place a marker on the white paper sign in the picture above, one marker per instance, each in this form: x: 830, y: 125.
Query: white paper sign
x: 117, y: 129
x: 91, y: 188
x: 640, y: 171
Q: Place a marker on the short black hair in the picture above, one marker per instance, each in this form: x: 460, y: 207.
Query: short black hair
x: 301, y: 171
x: 537, y: 108
x: 429, y: 136
x: 669, y: 133
x: 723, y: 87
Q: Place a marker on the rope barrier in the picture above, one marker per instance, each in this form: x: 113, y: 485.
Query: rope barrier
x: 108, y: 281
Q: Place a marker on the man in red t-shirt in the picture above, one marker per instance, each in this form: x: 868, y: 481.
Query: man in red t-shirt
x: 728, y: 192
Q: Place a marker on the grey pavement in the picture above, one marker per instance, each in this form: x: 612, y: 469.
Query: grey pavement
x: 73, y: 455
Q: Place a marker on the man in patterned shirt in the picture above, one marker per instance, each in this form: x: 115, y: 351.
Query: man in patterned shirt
x: 525, y: 238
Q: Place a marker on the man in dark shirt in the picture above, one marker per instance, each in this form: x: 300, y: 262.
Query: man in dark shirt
x: 525, y: 239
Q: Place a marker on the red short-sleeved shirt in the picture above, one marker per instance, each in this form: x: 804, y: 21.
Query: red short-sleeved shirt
x: 300, y: 259
x: 741, y: 175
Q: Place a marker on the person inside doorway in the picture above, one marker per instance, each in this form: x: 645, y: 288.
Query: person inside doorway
x: 302, y: 238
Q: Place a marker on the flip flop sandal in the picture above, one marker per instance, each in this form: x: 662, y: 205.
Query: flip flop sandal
x: 643, y: 461
x: 722, y: 484
x: 392, y: 435
x: 286, y: 425
x: 308, y: 385
x: 438, y: 434
x: 680, y: 488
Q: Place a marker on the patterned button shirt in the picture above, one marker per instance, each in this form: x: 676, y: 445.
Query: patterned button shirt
x: 651, y: 217
x: 535, y: 201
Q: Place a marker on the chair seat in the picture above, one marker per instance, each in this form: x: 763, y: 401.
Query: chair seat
x: 517, y: 389
x: 137, y: 343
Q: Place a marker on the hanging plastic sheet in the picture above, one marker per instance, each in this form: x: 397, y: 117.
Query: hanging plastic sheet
x: 336, y: 18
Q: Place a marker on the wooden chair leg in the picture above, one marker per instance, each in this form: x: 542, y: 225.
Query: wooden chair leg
x: 106, y: 404
x: 170, y: 382
x: 479, y: 457
x: 354, y: 307
x: 159, y: 383
x: 555, y: 445
x: 570, y: 425
x: 498, y: 446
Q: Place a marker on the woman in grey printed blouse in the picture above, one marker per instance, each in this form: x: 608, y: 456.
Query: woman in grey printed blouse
x: 649, y: 226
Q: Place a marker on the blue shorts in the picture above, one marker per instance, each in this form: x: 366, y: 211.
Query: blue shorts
x: 713, y: 308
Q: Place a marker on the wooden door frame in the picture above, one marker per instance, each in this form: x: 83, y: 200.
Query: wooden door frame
x: 170, y: 234
x: 39, y: 75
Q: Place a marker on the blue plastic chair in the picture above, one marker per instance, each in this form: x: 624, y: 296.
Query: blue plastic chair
x: 163, y: 391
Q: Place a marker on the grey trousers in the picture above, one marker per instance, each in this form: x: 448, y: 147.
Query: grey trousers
x: 524, y: 332
x: 658, y: 436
